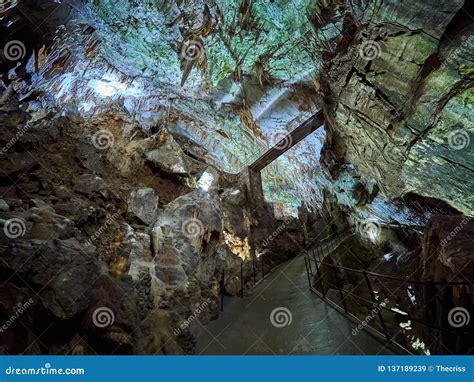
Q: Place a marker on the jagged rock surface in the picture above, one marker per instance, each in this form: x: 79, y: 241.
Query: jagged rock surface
x: 100, y: 234
x: 396, y: 99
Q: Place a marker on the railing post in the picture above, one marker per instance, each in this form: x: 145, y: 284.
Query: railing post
x: 242, y: 280
x: 339, y: 287
x: 263, y: 270
x: 307, y: 270
x: 323, y: 292
x: 310, y: 267
x: 379, y: 314
x: 222, y: 287
x: 254, y: 272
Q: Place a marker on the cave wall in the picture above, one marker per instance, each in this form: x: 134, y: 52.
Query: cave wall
x: 397, y: 97
x: 396, y: 88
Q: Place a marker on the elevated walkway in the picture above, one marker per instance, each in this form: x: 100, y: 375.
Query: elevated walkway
x: 314, y: 122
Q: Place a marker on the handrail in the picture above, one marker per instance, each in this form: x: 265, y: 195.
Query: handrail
x: 263, y: 258
x: 255, y: 271
x: 334, y: 235
x: 397, y: 278
x: 394, y: 311
x: 330, y: 237
x: 318, y: 261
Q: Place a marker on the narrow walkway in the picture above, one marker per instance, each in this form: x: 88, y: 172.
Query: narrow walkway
x: 314, y: 122
x: 245, y: 326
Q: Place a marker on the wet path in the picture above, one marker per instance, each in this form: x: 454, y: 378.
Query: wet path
x: 245, y: 326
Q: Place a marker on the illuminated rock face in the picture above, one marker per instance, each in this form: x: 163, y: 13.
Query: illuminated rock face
x: 143, y: 204
x: 115, y: 60
x: 378, y: 88
x: 396, y: 101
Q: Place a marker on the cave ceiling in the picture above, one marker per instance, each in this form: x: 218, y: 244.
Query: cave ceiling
x: 229, y: 76
x: 233, y: 76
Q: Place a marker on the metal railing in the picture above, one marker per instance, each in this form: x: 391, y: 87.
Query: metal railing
x: 259, y: 268
x: 419, y: 304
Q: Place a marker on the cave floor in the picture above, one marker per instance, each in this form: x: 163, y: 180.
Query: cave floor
x: 244, y: 327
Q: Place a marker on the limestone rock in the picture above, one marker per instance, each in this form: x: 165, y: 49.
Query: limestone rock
x: 232, y: 285
x: 398, y: 114
x: 169, y: 157
x: 64, y: 270
x: 49, y: 225
x: 143, y: 204
x: 18, y: 163
x: 62, y: 192
x: 89, y: 184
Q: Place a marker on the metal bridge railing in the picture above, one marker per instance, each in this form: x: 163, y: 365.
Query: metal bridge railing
x: 259, y: 268
x: 423, y: 307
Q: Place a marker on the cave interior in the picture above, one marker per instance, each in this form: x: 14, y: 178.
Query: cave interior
x: 173, y: 168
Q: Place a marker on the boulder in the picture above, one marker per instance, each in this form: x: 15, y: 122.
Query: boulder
x: 169, y: 157
x: 90, y: 184
x: 143, y: 204
x: 49, y: 225
x: 64, y: 271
